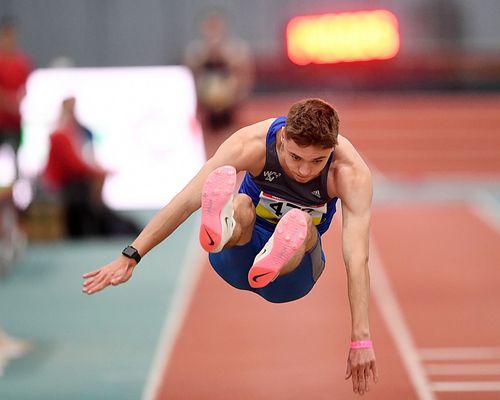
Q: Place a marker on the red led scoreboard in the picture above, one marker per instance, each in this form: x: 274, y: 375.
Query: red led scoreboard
x: 343, y: 37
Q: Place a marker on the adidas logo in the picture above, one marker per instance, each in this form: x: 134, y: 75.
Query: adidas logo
x: 316, y: 193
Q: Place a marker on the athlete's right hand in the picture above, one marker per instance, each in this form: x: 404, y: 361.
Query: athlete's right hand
x: 115, y: 273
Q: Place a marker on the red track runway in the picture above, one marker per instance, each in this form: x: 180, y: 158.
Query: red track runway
x: 435, y: 270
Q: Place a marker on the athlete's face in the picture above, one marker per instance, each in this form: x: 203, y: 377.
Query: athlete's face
x: 303, y: 163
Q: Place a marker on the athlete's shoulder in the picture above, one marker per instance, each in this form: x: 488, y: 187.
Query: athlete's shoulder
x: 347, y: 156
x: 245, y: 148
x: 348, y: 170
x: 264, y: 125
x: 254, y: 132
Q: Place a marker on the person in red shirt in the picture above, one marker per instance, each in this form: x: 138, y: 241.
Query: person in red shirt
x: 66, y: 163
x: 74, y: 175
x: 15, y: 68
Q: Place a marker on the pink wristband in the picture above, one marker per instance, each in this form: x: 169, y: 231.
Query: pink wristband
x: 361, y: 344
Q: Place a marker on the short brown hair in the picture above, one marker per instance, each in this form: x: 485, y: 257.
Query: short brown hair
x: 312, y: 122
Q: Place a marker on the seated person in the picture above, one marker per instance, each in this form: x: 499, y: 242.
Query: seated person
x: 79, y: 180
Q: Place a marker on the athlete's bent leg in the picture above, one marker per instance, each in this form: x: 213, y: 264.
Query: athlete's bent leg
x: 294, y: 235
x: 309, y: 243
x: 217, y: 222
x: 226, y: 219
x: 244, y: 215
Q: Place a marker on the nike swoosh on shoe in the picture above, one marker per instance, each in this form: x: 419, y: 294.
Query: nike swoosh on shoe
x: 288, y: 236
x: 217, y: 209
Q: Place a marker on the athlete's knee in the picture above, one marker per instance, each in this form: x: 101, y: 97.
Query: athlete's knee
x: 243, y: 200
x: 244, y: 215
x: 244, y: 210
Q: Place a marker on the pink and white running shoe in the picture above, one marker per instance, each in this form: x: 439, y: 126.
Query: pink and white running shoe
x: 288, y: 236
x: 217, y: 222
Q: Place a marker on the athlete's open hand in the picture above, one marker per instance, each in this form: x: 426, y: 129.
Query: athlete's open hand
x: 361, y: 366
x: 115, y: 273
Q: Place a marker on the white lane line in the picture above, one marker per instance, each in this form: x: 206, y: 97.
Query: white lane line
x: 175, y: 315
x: 481, y: 386
x: 487, y: 208
x: 463, y: 369
x: 460, y: 353
x: 412, y: 154
x: 394, y: 319
x: 377, y: 174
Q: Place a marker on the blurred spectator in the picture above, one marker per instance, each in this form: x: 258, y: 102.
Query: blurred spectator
x: 14, y: 70
x: 223, y: 71
x: 71, y: 171
x: 446, y: 21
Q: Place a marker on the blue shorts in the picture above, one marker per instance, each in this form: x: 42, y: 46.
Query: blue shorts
x: 234, y: 263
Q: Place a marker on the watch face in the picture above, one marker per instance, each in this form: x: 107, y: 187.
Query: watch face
x: 129, y: 251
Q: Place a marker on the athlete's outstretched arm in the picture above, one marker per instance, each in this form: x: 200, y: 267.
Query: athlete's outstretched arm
x: 241, y: 150
x: 356, y: 195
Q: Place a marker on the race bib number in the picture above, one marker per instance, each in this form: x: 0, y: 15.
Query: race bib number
x: 272, y: 208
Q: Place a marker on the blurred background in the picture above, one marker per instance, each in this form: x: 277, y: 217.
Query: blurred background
x: 445, y: 44
x: 109, y: 107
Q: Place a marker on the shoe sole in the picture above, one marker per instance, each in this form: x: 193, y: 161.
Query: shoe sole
x: 217, y: 208
x: 289, y: 235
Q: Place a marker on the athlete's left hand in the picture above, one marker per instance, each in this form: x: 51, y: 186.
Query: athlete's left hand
x: 361, y: 366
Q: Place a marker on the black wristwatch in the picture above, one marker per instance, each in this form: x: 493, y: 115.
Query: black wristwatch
x: 131, y: 252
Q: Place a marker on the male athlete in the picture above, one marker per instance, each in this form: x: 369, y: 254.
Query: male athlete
x: 267, y: 238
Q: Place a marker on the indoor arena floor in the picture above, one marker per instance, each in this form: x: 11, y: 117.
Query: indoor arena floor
x: 177, y: 331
